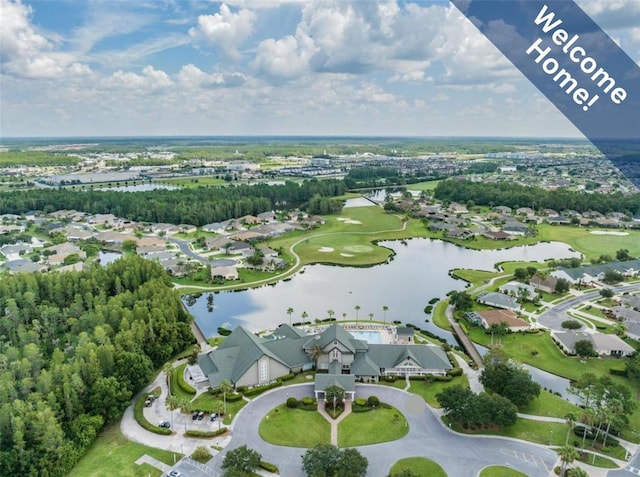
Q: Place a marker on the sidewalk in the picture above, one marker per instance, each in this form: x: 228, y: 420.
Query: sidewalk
x: 334, y: 422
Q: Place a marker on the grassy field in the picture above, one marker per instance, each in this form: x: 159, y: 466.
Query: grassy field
x: 112, y: 454
x: 548, y: 404
x: 429, y: 391
x: 294, y: 427
x: 500, y: 471
x: 591, y: 245
x: 196, y: 181
x: 176, y: 390
x: 419, y: 466
x: 420, y: 186
x: 379, y: 425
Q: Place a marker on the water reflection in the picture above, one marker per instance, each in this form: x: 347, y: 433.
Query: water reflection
x: 418, y: 273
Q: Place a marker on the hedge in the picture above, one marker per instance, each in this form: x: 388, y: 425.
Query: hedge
x: 197, y: 433
x: 235, y: 397
x: 443, y: 379
x: 618, y: 372
x: 138, y: 413
x: 287, y: 377
x: 260, y: 389
x: 455, y: 372
x: 360, y: 402
x: 182, y: 384
x: 356, y: 408
x: 269, y: 467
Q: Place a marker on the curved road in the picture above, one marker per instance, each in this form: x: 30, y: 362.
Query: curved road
x: 554, y: 317
x: 459, y: 455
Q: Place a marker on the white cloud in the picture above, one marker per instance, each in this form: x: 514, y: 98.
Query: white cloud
x: 149, y: 81
x: 27, y: 53
x: 192, y: 77
x: 226, y: 31
x: 284, y: 59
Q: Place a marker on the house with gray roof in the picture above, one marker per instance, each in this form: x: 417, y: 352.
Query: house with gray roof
x: 21, y: 266
x: 604, y: 345
x: 498, y: 300
x: 517, y: 289
x: 249, y: 360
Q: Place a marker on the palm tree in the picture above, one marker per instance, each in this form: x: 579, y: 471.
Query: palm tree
x: 304, y: 316
x: 357, y: 308
x: 385, y: 308
x: 571, y: 421
x: 344, y: 316
x: 172, y: 403
x: 289, y: 312
x: 620, y: 328
x: 370, y: 316
x: 567, y: 455
x: 167, y: 369
x: 314, y: 353
x: 217, y: 407
x: 225, y: 387
x: 330, y: 313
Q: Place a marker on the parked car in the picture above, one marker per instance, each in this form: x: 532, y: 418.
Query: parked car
x: 165, y: 424
x: 148, y: 403
x: 200, y: 415
x: 194, y: 415
x: 174, y: 473
x: 213, y: 417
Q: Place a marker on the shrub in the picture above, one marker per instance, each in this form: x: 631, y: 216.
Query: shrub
x: 138, y: 413
x: 223, y: 331
x: 443, y: 379
x: 205, y: 434
x: 292, y: 403
x: 287, y: 377
x: 235, y: 397
x: 308, y: 400
x: 618, y: 372
x: 390, y: 379
x: 360, y: 402
x: 242, y: 389
x: 455, y: 372
x: 269, y: 467
x: 201, y: 454
x: 183, y: 385
x: 373, y: 401
x: 260, y: 389
x: 571, y: 325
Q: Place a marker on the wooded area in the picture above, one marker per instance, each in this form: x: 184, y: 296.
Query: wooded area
x: 74, y: 348
x: 515, y: 196
x: 195, y: 206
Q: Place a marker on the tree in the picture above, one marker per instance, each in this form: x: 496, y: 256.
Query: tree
x: 577, y: 472
x: 321, y: 461
x: 632, y: 367
x: 622, y: 255
x: 351, y: 464
x: 167, y: 369
x: 606, y: 293
x: 584, y: 349
x: 567, y: 455
x: 217, y: 407
x: 611, y: 277
x: 571, y: 419
x: 172, y: 402
x: 562, y: 285
x: 201, y: 454
x: 304, y: 316
x: 314, y: 353
x: 290, y: 312
x: 225, y: 387
x: 370, y: 316
x: 241, y: 459
x: 462, y: 301
x: 335, y: 395
x: 385, y: 308
x: 503, y: 376
x: 331, y: 314
x: 520, y: 274
x: 357, y: 308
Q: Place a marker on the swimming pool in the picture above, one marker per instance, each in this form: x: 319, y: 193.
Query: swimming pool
x: 373, y: 337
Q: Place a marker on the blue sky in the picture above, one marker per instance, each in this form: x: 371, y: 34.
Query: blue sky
x: 269, y: 67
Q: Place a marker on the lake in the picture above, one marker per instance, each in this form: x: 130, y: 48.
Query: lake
x: 418, y: 272
x: 139, y: 187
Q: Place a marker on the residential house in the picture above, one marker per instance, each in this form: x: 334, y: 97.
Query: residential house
x: 487, y: 318
x: 604, y: 345
x: 226, y: 273
x: 216, y: 227
x: 543, y: 284
x: 498, y: 235
x: 21, y: 266
x: 519, y: 290
x: 217, y: 243
x: 241, y: 248
x: 498, y: 300
x: 515, y: 228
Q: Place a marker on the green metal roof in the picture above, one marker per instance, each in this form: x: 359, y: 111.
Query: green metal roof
x: 290, y: 351
x: 333, y: 333
x: 345, y: 381
x: 363, y: 366
x: 389, y: 356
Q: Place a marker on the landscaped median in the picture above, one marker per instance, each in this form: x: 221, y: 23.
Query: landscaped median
x: 138, y: 413
x: 282, y: 426
x: 417, y: 466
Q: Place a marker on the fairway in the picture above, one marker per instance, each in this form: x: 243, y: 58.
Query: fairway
x: 590, y: 244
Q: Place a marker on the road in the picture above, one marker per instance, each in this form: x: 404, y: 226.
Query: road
x: 183, y: 245
x: 458, y: 454
x: 554, y: 317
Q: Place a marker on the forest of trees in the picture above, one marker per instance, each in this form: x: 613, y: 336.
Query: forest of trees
x: 514, y: 196
x: 198, y: 206
x: 74, y: 348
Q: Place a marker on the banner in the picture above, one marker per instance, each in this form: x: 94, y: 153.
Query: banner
x: 575, y: 64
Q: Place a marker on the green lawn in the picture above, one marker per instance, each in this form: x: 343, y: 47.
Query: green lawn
x: 205, y: 401
x: 548, y: 404
x: 426, y: 185
x: 192, y: 182
x: 429, y: 391
x: 439, y: 316
x: 597, y: 461
x: 176, y: 390
x: 112, y: 454
x: 500, y: 471
x: 546, y: 433
x: 294, y: 427
x: 592, y: 246
x: 420, y: 466
x: 379, y: 425
x: 475, y: 277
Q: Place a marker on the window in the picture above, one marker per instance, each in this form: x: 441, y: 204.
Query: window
x: 335, y: 354
x: 264, y: 371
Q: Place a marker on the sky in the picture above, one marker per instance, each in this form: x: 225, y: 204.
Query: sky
x: 269, y: 67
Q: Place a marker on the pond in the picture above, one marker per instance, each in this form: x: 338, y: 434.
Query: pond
x: 418, y: 272
x: 105, y: 258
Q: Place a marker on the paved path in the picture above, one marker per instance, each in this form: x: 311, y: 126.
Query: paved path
x: 334, y: 422
x: 473, y: 375
x: 427, y: 437
x: 147, y: 459
x: 464, y: 339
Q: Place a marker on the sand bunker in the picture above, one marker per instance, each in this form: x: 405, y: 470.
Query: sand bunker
x: 358, y: 248
x: 346, y: 255
x: 325, y: 249
x: 606, y: 232
x: 349, y: 221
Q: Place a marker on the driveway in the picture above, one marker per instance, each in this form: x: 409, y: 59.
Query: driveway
x: 459, y: 455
